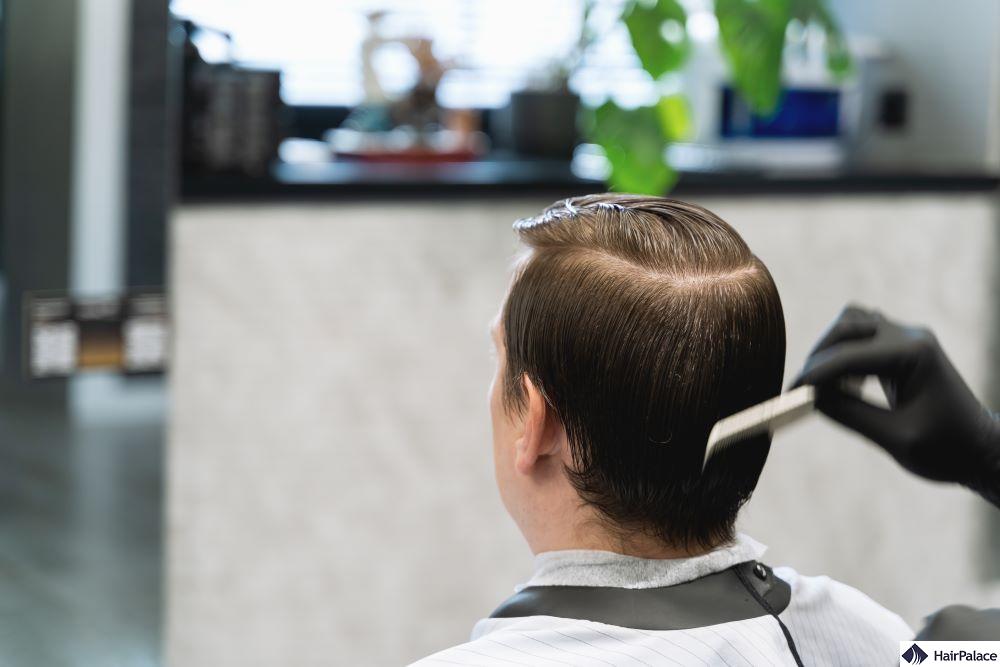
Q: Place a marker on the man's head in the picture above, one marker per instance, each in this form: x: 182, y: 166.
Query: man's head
x: 631, y: 325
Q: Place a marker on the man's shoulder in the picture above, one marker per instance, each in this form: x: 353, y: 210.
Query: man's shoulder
x: 837, y: 602
x: 825, y: 617
x: 499, y: 641
x: 549, y: 640
x: 456, y: 655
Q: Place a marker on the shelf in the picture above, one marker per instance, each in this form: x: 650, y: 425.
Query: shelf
x: 519, y: 175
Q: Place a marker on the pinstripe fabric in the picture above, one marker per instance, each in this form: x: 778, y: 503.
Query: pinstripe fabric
x: 834, y: 624
x: 831, y: 624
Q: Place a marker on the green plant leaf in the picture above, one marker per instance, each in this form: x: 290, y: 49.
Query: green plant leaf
x: 674, y: 114
x: 634, y: 143
x: 752, y: 35
x: 658, y: 33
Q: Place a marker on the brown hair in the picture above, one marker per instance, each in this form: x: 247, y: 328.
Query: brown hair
x: 642, y: 321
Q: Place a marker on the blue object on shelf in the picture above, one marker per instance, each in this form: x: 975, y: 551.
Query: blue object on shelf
x: 802, y: 113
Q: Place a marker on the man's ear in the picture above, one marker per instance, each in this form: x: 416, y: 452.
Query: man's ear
x: 542, y: 432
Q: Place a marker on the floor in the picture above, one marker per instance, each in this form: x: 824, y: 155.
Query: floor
x: 80, y: 527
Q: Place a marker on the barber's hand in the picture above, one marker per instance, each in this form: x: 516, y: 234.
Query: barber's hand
x: 934, y: 426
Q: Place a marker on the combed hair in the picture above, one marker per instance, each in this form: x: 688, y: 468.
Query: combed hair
x: 642, y: 321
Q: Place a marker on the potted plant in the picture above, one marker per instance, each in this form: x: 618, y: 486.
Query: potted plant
x: 543, y: 114
x: 752, y: 37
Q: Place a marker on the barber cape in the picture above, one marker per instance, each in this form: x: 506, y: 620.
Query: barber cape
x: 596, y: 608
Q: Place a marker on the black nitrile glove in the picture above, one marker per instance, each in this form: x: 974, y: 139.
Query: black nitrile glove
x: 934, y: 426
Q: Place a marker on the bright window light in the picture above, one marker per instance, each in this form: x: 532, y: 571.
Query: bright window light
x: 495, y: 46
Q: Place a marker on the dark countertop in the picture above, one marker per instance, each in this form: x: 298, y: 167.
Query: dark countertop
x: 512, y: 176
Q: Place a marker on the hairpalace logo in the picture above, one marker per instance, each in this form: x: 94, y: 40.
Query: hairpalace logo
x: 949, y: 653
x: 914, y: 655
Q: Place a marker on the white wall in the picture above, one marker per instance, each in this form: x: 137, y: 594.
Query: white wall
x: 950, y: 54
x: 331, y: 497
x: 330, y: 492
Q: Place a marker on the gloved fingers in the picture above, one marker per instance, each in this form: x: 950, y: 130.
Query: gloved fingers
x: 849, y: 358
x: 873, y: 422
x: 852, y: 323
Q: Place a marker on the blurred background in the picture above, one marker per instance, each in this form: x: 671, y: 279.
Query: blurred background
x: 250, y: 252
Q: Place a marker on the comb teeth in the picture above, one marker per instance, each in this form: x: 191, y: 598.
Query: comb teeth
x: 761, y: 418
